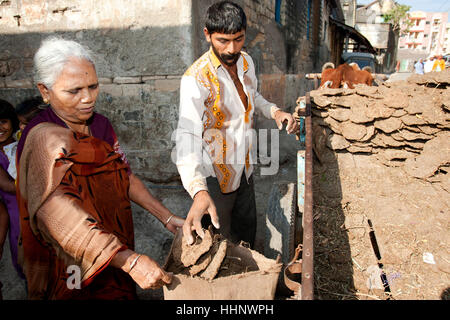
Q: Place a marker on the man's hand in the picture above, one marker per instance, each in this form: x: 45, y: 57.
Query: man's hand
x: 281, y: 117
x: 203, y: 204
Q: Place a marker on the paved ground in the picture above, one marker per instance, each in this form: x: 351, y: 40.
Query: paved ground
x: 399, y: 76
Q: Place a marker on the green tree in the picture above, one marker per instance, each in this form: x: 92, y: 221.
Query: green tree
x: 399, y: 18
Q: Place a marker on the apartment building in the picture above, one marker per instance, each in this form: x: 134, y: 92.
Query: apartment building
x: 428, y: 33
x: 447, y: 39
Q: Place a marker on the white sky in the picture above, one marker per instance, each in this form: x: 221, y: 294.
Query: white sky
x: 422, y: 5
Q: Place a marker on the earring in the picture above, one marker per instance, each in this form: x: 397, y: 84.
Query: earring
x: 46, y: 101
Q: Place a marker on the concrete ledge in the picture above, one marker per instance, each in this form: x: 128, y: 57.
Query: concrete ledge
x: 114, y: 90
x: 126, y: 80
x: 105, y: 80
x: 167, y: 85
x: 19, y: 84
x: 151, y: 78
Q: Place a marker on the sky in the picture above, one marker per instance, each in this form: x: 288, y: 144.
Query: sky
x: 422, y: 5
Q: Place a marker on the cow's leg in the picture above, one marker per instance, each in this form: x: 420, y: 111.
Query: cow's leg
x: 327, y: 84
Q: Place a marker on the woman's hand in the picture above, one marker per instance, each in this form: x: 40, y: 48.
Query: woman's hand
x: 174, y: 223
x: 145, y: 271
x: 148, y: 274
x: 141, y: 195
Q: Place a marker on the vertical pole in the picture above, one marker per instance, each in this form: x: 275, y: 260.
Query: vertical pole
x: 308, y: 244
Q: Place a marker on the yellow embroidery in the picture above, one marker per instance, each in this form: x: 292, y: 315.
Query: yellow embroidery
x: 247, y: 112
x: 247, y: 160
x: 205, y: 72
x: 215, y: 61
x: 245, y: 61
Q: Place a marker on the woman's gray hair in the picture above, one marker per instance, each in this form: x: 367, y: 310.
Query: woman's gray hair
x: 52, y: 55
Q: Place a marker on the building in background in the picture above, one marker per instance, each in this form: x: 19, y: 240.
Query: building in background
x: 368, y: 20
x: 447, y: 39
x: 428, y: 36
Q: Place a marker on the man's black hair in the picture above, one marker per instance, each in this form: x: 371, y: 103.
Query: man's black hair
x: 225, y: 17
x: 7, y: 112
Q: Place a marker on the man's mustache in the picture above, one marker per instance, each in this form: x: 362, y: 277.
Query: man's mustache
x: 230, y: 56
x: 230, y: 59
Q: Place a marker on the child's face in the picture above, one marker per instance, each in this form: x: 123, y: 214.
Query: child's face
x: 6, y: 130
x: 22, y: 122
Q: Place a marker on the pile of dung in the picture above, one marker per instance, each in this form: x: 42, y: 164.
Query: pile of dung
x: 207, y: 258
x: 402, y: 123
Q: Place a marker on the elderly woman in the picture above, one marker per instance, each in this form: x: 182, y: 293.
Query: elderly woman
x: 74, y: 190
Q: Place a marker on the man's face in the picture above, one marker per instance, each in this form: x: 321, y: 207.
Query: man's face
x: 227, y: 47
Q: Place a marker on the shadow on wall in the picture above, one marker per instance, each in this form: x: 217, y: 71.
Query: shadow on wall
x: 333, y: 271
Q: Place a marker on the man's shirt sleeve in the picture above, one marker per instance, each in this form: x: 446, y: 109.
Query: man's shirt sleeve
x: 267, y: 108
x: 189, y: 140
x: 263, y: 106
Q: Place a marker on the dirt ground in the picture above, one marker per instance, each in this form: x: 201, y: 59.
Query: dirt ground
x: 410, y: 218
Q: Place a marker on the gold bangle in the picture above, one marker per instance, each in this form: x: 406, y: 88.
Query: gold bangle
x: 168, y: 220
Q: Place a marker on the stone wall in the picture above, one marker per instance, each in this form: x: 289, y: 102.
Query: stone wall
x: 141, y: 51
x: 139, y: 80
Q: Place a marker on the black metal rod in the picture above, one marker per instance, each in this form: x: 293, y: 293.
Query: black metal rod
x: 376, y: 250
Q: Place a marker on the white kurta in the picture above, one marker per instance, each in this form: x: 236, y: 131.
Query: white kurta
x: 215, y: 134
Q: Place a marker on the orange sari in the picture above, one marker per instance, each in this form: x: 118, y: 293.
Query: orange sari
x: 74, y: 211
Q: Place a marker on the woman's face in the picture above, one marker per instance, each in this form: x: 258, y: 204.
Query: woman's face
x: 6, y: 131
x: 74, y: 92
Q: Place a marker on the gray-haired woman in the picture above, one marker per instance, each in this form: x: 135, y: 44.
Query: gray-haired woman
x: 75, y: 188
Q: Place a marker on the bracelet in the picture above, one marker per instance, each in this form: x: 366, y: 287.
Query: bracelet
x: 134, y: 262
x: 168, y: 220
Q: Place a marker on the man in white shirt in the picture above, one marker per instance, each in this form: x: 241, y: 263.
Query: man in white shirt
x: 428, y: 65
x: 215, y: 137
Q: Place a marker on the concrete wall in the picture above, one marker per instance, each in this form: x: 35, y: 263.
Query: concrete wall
x: 382, y: 38
x: 141, y: 51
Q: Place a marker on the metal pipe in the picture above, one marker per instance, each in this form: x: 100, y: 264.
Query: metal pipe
x: 308, y: 232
